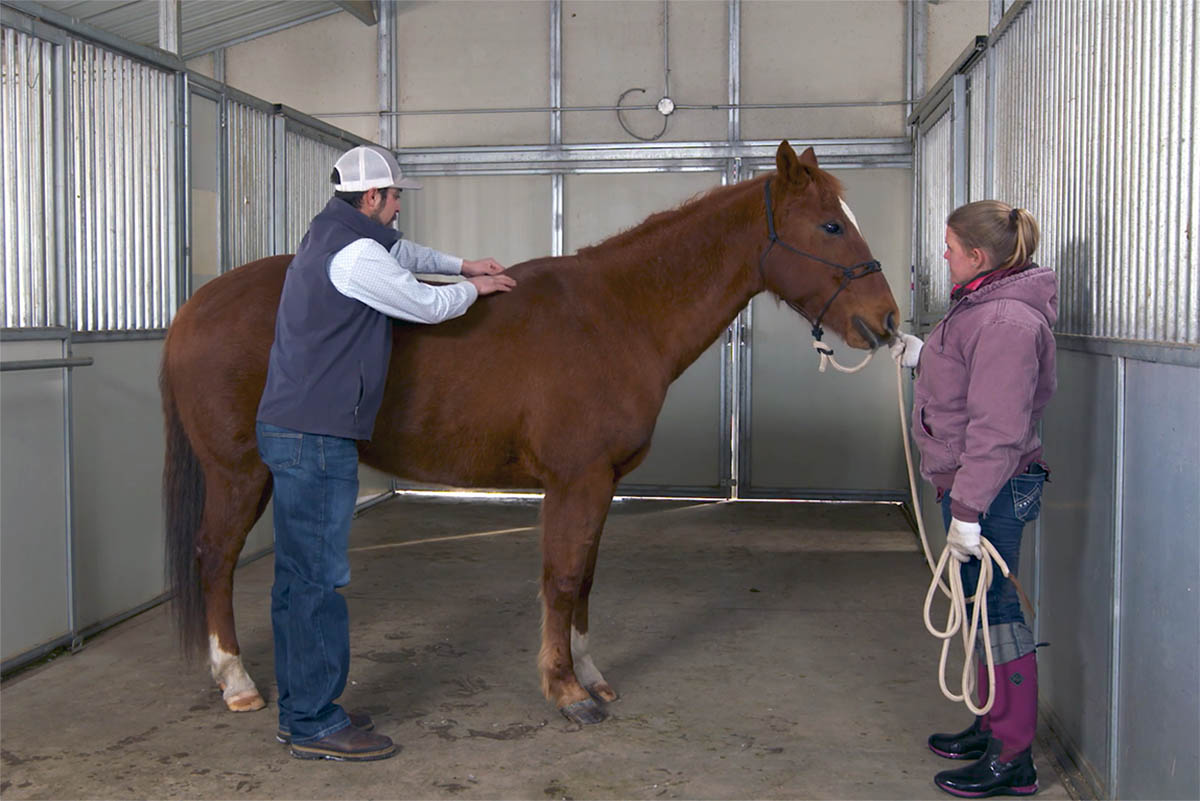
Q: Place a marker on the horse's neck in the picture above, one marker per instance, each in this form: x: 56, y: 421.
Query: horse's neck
x: 695, y: 270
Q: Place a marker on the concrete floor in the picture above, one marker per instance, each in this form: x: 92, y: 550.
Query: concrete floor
x: 761, y: 651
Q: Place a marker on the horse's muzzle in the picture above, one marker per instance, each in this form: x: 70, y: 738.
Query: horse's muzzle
x: 870, y: 336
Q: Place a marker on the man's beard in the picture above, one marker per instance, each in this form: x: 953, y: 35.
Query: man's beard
x: 378, y: 217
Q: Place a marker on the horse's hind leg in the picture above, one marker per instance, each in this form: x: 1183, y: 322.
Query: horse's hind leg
x: 573, y: 517
x: 232, y: 505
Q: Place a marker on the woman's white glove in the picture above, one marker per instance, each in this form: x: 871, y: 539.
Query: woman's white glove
x: 906, y: 350
x: 963, y: 539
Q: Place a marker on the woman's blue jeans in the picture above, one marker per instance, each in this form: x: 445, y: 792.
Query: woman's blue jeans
x: 1019, y: 502
x: 316, y: 487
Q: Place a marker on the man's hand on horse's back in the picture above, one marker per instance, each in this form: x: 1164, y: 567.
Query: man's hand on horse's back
x: 487, y: 284
x: 488, y: 266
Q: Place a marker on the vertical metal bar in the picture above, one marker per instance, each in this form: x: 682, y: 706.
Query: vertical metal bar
x: 557, y: 187
x: 120, y: 221
x: 557, y: 179
x: 1190, y: 206
x: 175, y: 87
x: 1118, y: 534
x: 48, y: 230
x: 9, y: 242
x: 556, y: 46
x: 385, y: 41
x: 64, y: 290
x: 279, y: 186
x: 735, y: 70
x: 920, y: 46
x: 24, y: 224
x: 959, y: 122
x: 168, y: 25
x: 731, y: 386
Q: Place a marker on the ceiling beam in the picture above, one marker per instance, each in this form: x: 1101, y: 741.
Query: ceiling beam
x: 363, y: 9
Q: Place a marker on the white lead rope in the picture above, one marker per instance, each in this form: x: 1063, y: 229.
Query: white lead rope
x: 827, y: 359
x: 958, y: 602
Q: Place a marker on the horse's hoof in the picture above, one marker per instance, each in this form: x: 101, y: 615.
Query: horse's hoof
x: 602, y: 691
x: 247, y: 701
x: 584, y: 712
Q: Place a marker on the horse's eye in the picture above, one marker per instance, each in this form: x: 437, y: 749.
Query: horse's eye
x: 832, y: 228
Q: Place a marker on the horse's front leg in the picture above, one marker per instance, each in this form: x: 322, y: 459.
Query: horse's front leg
x: 573, y: 515
x: 585, y: 669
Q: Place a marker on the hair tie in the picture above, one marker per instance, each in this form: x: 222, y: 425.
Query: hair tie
x: 1013, y: 215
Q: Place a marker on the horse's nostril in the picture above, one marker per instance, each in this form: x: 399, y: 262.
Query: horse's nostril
x: 889, y: 323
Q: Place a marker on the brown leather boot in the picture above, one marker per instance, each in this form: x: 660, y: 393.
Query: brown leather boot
x: 348, y: 744
x: 359, y: 719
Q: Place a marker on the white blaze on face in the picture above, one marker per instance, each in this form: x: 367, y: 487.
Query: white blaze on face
x: 850, y: 215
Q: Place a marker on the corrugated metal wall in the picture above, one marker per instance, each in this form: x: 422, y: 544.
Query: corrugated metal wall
x: 30, y: 222
x: 250, y: 169
x: 1109, y: 88
x: 1089, y: 121
x: 935, y: 202
x: 309, y: 162
x: 125, y: 191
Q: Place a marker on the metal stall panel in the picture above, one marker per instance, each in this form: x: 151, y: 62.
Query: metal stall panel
x: 28, y: 217
x: 309, y: 165
x: 1158, y: 696
x: 123, y: 143
x: 819, y: 435
x: 118, y: 446
x: 687, y: 451
x: 1095, y: 134
x: 1075, y: 556
x: 977, y: 153
x: 250, y: 175
x: 34, y: 576
x: 935, y: 201
x: 204, y: 235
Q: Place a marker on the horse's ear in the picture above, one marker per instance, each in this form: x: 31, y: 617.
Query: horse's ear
x: 793, y: 168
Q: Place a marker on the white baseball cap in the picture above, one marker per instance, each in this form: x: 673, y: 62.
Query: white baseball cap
x: 369, y: 167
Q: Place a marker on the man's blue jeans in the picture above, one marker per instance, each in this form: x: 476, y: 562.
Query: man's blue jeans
x: 1019, y: 501
x: 316, y: 487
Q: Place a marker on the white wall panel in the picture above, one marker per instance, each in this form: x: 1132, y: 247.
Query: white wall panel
x: 1075, y: 555
x: 506, y: 217
x: 118, y: 450
x: 1158, y: 695
x: 33, y: 523
x: 473, y: 54
x: 609, y: 48
x: 321, y: 67
x: 822, y: 51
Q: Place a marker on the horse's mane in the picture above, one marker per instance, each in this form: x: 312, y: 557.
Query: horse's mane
x: 726, y: 196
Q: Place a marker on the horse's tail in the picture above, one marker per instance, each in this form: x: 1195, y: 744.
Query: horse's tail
x: 183, y: 508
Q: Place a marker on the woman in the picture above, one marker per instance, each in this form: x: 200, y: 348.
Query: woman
x: 984, y: 377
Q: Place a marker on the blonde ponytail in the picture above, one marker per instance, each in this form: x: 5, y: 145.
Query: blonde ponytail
x: 1010, y: 236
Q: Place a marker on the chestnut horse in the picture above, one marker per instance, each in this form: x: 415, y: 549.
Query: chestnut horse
x: 592, y: 341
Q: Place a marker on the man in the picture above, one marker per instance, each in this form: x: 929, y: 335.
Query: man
x: 351, y: 275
